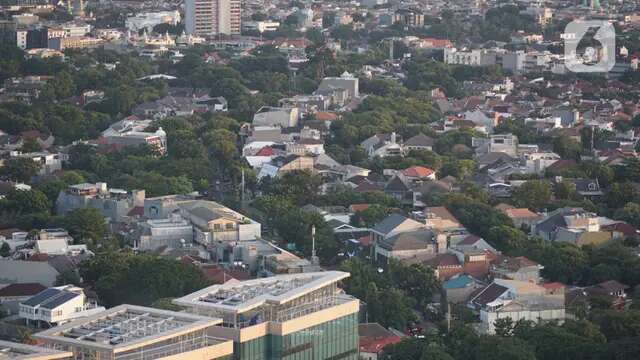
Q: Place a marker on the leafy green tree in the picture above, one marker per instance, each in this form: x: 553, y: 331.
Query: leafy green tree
x: 370, y: 216
x: 121, y: 277
x: 26, y: 202
x: 507, y: 238
x: 504, y: 327
x: 567, y: 147
x: 20, y: 169
x: 533, y: 194
x: 5, y: 249
x: 86, y: 226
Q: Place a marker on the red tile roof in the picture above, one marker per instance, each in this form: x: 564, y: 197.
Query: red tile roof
x: 418, y: 172
x: 266, y: 151
x: 375, y: 345
x: 23, y: 289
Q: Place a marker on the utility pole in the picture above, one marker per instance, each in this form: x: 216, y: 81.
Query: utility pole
x: 242, y: 191
x: 314, y: 258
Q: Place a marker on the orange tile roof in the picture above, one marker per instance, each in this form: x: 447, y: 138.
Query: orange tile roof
x: 418, y: 172
x: 522, y: 213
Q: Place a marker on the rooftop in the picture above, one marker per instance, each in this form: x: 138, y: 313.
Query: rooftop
x: 14, y: 351
x: 122, y: 327
x: 247, y: 295
x: 51, y: 298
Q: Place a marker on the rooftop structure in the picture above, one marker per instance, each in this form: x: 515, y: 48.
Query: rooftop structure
x: 134, y: 332
x: 17, y: 351
x: 267, y: 299
x: 272, y: 318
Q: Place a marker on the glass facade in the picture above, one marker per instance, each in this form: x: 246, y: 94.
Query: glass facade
x: 333, y: 340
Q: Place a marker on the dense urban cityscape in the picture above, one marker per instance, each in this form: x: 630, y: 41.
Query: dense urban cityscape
x: 319, y: 179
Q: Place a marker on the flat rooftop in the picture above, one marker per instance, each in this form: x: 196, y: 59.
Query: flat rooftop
x: 246, y: 295
x: 15, y: 351
x: 125, y: 326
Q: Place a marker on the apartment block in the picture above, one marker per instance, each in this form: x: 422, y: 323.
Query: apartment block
x: 301, y: 316
x: 212, y: 17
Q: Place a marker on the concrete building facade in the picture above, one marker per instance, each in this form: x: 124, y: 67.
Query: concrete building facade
x: 212, y: 17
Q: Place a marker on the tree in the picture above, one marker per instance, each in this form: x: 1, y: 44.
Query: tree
x: 86, y: 226
x: 370, y: 216
x: 567, y: 147
x: 20, y: 169
x: 533, y: 194
x: 123, y: 277
x: 26, y: 202
x: 504, y: 326
x: 30, y: 145
x: 5, y: 250
x: 507, y: 238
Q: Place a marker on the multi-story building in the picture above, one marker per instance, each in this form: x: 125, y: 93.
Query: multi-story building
x: 114, y: 204
x: 412, y: 17
x: 276, y: 116
x: 475, y: 57
x: 128, y: 332
x: 260, y: 26
x: 212, y: 17
x: 57, y: 305
x: 49, y: 163
x: 148, y: 20
x: 302, y: 316
x: 214, y: 223
x: 131, y: 132
x: 155, y: 233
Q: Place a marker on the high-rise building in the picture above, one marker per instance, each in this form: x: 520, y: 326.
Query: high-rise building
x: 212, y: 17
x: 298, y: 316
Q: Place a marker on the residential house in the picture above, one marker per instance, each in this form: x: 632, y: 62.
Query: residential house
x: 410, y: 246
x: 373, y: 338
x: 459, y: 288
x: 440, y: 219
x: 19, y: 271
x: 57, y: 242
x: 275, y: 116
x: 573, y: 225
x: 538, y: 162
x: 611, y: 291
x: 282, y: 164
x: 521, y: 216
x: 400, y: 189
x: 383, y: 145
x: 419, y: 239
x: 214, y: 223
x: 445, y: 266
x: 131, y: 131
x: 415, y: 174
x: 517, y: 268
x: 346, y: 82
x: 420, y: 142
x: 12, y: 294
x: 49, y: 163
x: 518, y: 300
x: 57, y: 305
x: 502, y: 143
